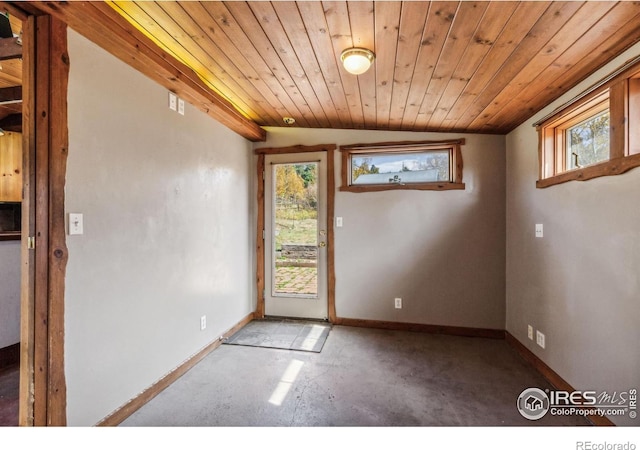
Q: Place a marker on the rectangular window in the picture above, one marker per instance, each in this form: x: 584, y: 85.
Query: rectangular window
x: 588, y: 141
x: 596, y: 134
x: 413, y: 165
x: 400, y: 168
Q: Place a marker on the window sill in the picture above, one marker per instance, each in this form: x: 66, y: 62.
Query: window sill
x: 10, y: 236
x: 616, y: 166
x: 403, y: 187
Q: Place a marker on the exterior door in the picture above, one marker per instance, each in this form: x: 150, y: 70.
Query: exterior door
x: 296, y: 235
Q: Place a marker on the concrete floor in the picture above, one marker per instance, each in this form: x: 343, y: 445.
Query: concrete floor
x: 362, y: 377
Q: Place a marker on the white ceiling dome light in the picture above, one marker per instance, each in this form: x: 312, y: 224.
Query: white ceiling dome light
x: 357, y: 60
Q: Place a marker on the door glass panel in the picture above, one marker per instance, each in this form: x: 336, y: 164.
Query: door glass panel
x: 295, y: 259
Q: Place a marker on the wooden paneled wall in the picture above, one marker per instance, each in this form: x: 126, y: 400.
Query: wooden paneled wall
x: 11, y: 167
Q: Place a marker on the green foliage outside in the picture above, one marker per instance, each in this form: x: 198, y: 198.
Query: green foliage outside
x: 296, y: 204
x: 365, y: 167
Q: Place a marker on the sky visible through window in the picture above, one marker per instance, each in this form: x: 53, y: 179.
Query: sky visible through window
x: 433, y: 166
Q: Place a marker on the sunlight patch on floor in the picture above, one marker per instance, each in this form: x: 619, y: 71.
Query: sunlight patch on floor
x: 284, y: 386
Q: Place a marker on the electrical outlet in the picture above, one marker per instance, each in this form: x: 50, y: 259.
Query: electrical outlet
x: 181, y: 106
x: 203, y: 322
x: 398, y: 303
x: 539, y: 230
x: 540, y: 339
x: 530, y: 332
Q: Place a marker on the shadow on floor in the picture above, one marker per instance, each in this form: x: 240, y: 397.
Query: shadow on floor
x: 9, y: 394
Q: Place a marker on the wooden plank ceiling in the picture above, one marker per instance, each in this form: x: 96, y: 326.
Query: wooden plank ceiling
x: 440, y: 66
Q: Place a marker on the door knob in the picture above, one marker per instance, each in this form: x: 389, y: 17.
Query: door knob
x: 322, y: 244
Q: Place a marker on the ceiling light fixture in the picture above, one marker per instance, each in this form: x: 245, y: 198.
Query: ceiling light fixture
x: 289, y: 120
x: 357, y: 60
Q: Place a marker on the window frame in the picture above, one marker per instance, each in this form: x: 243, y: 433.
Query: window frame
x: 621, y: 91
x: 455, y: 164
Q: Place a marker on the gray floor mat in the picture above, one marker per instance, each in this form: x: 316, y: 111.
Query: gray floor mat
x: 288, y: 334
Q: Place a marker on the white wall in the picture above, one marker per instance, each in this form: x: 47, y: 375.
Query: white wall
x: 167, y: 203
x: 580, y: 283
x: 9, y: 293
x: 442, y: 252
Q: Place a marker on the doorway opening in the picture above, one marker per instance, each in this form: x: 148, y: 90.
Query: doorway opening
x: 296, y: 188
x: 11, y: 211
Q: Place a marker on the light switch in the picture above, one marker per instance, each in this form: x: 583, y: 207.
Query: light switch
x: 181, y: 106
x: 539, y: 230
x: 338, y: 222
x: 75, y: 223
x: 173, y: 101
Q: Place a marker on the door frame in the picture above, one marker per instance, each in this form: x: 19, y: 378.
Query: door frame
x: 314, y: 306
x: 43, y: 393
x: 260, y: 247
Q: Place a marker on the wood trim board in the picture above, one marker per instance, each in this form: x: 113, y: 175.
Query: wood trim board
x: 120, y: 414
x: 423, y: 328
x: 27, y: 277
x: 260, y: 239
x: 43, y: 266
x: 57, y: 251
x: 331, y: 192
x: 549, y: 374
x: 331, y: 202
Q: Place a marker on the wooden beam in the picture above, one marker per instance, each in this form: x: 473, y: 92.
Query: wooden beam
x: 42, y: 383
x: 57, y: 252
x: 20, y: 9
x: 102, y: 25
x: 331, y: 202
x: 260, y: 238
x: 41, y: 206
x: 10, y: 48
x: 11, y: 94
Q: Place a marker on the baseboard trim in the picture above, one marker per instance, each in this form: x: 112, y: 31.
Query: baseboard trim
x: 424, y: 328
x: 119, y: 415
x: 10, y: 355
x: 550, y: 375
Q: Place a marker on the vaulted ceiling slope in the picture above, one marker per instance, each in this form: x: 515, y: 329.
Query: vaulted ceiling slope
x: 440, y: 66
